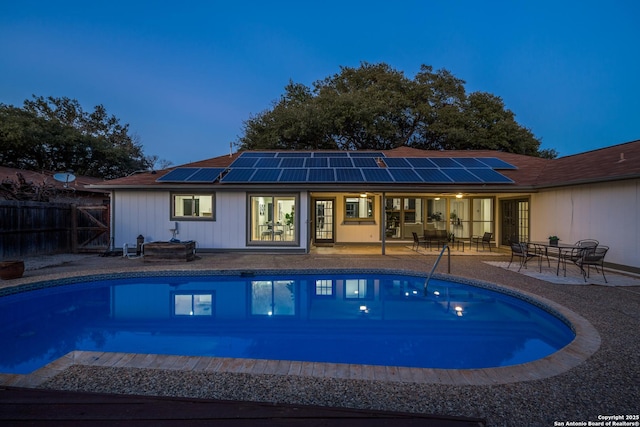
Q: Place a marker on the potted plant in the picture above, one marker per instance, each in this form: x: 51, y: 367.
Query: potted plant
x: 288, y: 219
x: 553, y: 240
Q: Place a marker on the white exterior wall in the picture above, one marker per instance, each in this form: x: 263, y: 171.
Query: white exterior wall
x: 607, y: 212
x: 148, y: 213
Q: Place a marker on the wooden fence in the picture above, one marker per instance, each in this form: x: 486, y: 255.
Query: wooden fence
x: 36, y: 228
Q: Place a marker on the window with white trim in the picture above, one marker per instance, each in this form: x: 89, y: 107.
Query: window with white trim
x: 192, y: 206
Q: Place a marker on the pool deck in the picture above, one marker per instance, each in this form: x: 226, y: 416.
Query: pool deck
x: 597, y: 374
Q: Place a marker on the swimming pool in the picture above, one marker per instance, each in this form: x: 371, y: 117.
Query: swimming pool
x: 367, y: 317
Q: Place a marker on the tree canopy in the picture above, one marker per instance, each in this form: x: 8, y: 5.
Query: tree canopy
x: 377, y: 107
x: 56, y: 134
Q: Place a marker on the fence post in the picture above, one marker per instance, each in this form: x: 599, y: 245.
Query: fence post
x: 74, y: 228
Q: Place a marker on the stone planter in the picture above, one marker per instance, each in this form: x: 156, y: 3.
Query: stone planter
x: 11, y: 269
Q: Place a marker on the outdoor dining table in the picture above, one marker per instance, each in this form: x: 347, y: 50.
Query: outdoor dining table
x: 559, y: 247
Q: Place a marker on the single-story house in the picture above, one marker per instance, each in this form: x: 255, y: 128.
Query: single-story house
x: 292, y: 200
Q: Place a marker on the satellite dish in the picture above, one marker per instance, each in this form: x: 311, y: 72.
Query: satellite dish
x: 65, y: 177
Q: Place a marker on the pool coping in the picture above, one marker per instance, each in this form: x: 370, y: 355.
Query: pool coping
x: 586, y: 342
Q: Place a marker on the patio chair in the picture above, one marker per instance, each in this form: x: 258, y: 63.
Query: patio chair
x: 484, y: 240
x: 521, y: 250
x: 575, y: 254
x: 429, y: 236
x: 595, y: 257
x: 587, y: 243
x: 417, y: 241
x: 441, y: 238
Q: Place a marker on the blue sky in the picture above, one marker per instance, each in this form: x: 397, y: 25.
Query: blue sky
x: 186, y: 75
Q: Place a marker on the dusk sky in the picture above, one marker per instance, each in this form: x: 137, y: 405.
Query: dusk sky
x: 186, y: 75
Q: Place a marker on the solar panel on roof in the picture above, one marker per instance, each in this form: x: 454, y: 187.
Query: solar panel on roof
x: 349, y: 175
x: 244, y: 162
x: 205, y: 175
x: 432, y: 175
x: 355, y: 154
x: 238, y: 175
x: 460, y: 176
x: 343, y: 166
x: 396, y: 162
x: 365, y: 162
x: 445, y: 162
x: 496, y: 163
x: 340, y: 162
x: 316, y: 162
x: 257, y: 154
x: 268, y: 162
x: 294, y: 154
x: 404, y: 175
x: 490, y: 176
x: 293, y: 175
x: 470, y: 162
x: 376, y: 175
x: 178, y: 175
x: 331, y: 154
x: 321, y: 175
x: 292, y: 162
x: 265, y: 175
x: 420, y: 162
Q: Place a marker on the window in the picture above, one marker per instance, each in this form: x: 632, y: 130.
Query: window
x: 482, y: 220
x: 273, y: 298
x: 272, y: 219
x: 324, y: 287
x: 358, y: 208
x: 192, y: 206
x: 412, y: 211
x: 193, y: 304
x: 358, y: 289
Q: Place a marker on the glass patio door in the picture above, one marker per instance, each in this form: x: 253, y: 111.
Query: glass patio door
x: 324, y: 220
x: 515, y: 220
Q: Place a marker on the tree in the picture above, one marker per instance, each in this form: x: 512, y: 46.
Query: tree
x: 57, y: 134
x: 377, y: 107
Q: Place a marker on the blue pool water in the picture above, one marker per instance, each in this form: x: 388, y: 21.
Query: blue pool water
x: 377, y: 319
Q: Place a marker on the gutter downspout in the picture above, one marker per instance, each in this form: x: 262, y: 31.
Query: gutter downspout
x: 112, y: 221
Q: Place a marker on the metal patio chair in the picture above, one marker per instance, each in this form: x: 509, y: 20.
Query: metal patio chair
x: 575, y: 254
x: 417, y: 241
x: 484, y: 240
x: 593, y: 256
x: 521, y: 250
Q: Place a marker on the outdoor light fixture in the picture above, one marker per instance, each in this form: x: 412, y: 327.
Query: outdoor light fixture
x: 459, y: 196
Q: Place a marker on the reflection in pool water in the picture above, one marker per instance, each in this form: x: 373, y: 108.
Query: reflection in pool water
x: 377, y: 319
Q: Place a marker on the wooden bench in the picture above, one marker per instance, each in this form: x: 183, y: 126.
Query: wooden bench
x: 169, y: 251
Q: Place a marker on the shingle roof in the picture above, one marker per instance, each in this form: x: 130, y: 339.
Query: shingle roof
x: 81, y: 183
x: 612, y: 163
x: 617, y: 162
